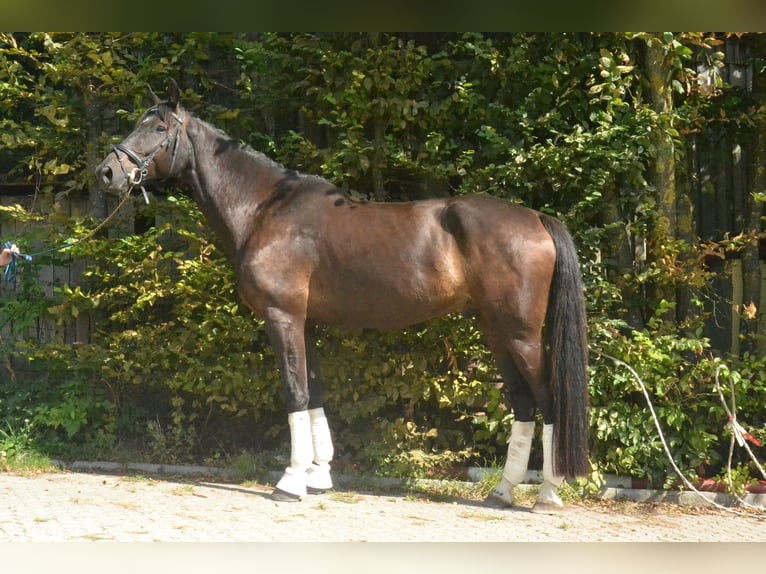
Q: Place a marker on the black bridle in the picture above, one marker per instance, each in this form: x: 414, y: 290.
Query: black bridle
x: 137, y: 175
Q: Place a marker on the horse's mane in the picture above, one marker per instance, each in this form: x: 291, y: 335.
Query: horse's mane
x: 259, y: 157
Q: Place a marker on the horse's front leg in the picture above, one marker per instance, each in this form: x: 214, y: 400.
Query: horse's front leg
x: 287, y: 335
x: 318, y: 479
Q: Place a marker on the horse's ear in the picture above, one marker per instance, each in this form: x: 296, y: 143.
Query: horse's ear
x: 153, y: 97
x: 172, y: 93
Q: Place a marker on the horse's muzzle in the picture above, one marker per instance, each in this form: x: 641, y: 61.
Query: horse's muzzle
x: 110, y: 178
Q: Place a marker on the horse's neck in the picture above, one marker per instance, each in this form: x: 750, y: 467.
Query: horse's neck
x: 228, y: 184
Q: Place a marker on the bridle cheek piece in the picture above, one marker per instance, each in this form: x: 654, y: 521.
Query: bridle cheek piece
x: 137, y: 175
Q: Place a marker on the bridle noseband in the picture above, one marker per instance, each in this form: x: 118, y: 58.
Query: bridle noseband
x: 137, y: 175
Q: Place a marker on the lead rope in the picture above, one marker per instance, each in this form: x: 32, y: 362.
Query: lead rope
x: 686, y: 482
x: 738, y: 435
x: 12, y: 268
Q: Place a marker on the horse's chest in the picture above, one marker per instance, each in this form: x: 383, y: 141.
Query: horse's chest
x: 277, y: 273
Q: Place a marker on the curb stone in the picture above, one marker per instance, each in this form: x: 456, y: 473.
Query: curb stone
x: 620, y: 488
x: 681, y: 497
x: 148, y: 468
x: 614, y: 489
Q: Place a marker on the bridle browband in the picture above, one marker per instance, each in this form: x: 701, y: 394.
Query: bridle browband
x: 136, y: 176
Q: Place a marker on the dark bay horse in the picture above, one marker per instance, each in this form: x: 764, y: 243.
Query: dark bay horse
x: 306, y: 254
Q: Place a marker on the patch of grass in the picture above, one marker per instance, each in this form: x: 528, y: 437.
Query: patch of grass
x: 347, y: 497
x: 17, y: 452
x: 138, y: 478
x: 442, y: 490
x: 252, y: 467
x: 526, y: 495
x: 489, y: 481
x: 481, y: 517
x: 33, y: 462
x: 572, y: 493
x: 184, y: 490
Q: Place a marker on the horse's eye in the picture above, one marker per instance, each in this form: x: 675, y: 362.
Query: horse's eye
x: 161, y: 128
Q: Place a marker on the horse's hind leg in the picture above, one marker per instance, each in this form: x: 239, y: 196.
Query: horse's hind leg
x: 318, y: 479
x: 528, y: 358
x: 522, y: 430
x: 548, y: 500
x: 520, y: 363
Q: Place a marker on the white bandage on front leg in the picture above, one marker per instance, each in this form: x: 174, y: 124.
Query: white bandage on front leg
x: 516, y: 462
x: 319, y: 472
x: 548, y: 499
x: 301, y: 454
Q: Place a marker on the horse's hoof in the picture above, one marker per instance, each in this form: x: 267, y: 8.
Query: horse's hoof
x: 497, y: 501
x: 280, y: 495
x: 312, y: 490
x: 545, y: 507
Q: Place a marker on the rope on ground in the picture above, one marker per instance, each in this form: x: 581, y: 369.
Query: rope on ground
x: 680, y: 474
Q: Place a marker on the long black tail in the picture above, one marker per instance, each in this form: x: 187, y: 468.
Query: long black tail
x: 567, y: 348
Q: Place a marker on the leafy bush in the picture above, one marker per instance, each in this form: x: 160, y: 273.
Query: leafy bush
x: 679, y: 376
x: 417, y: 399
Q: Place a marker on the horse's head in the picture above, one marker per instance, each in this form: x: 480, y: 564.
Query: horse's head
x: 153, y: 151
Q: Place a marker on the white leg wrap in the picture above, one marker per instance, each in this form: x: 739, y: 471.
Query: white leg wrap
x: 320, y: 434
x: 548, y: 496
x: 518, y: 451
x: 301, y: 454
x: 516, y: 461
x: 319, y: 472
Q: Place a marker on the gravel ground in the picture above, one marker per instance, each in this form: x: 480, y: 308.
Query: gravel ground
x: 105, y: 519
x: 77, y: 506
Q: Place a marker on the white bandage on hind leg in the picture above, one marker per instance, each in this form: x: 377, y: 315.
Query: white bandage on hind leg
x: 301, y: 454
x: 517, y: 460
x: 519, y: 447
x: 319, y: 472
x: 320, y: 435
x: 551, y: 482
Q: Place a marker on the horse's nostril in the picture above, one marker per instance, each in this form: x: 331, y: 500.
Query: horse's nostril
x: 106, y: 174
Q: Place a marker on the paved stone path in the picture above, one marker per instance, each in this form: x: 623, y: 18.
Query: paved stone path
x: 72, y: 506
